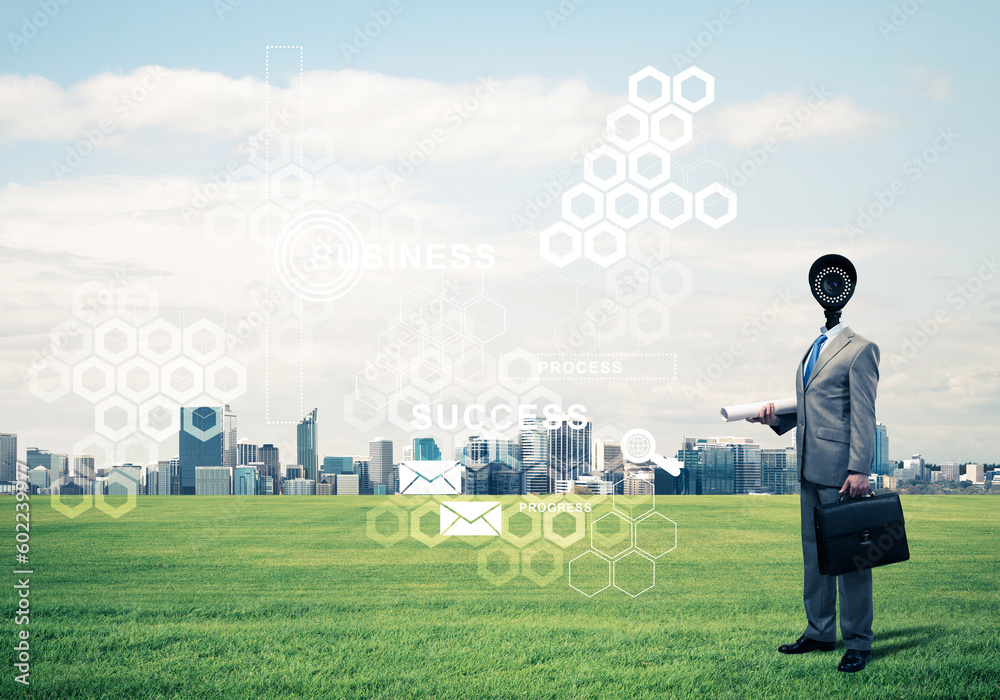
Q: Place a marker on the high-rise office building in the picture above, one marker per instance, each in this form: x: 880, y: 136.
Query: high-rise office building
x: 213, y: 481
x: 569, y: 451
x: 270, y: 458
x: 305, y: 435
x: 708, y: 468
x: 338, y: 465
x: 84, y: 466
x: 880, y: 456
x: 917, y: 466
x: 608, y: 456
x: 380, y: 462
x: 950, y: 471
x: 38, y: 478
x: 8, y: 457
x: 425, y: 449
x: 361, y: 469
x: 300, y: 487
x: 294, y: 471
x: 125, y: 480
x: 200, y: 443
x: 779, y: 473
x: 158, y: 479
x: 534, y: 454
x: 347, y: 484
x: 175, y: 475
x: 639, y: 483
x: 245, y: 481
x: 746, y: 462
x: 230, y: 455
x: 974, y: 473
x: 246, y: 452
x: 265, y: 482
x: 60, y: 465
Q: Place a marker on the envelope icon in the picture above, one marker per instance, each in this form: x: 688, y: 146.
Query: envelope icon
x: 474, y: 518
x: 430, y: 478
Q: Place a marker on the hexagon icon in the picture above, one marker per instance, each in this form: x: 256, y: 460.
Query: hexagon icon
x: 387, y: 539
x: 632, y: 506
x: 628, y: 127
x: 655, y: 535
x: 159, y: 341
x: 362, y: 416
x: 649, y: 320
x: 649, y: 165
x: 485, y: 319
x: 519, y: 370
x: 379, y: 188
x: 335, y: 184
x: 527, y: 521
x: 663, y: 205
x: 672, y: 281
x: 687, y: 76
x: 579, y: 529
x: 634, y: 573
x: 94, y: 303
x: 138, y: 379
x: 182, y: 379
x: 317, y: 149
x: 115, y: 341
x: 604, y: 167
x: 583, y: 205
x: 115, y: 418
x: 204, y: 341
x: 50, y: 380
x: 671, y: 127
x: 290, y: 187
x: 715, y: 221
x: 649, y: 89
x: 611, y: 534
x: 589, y: 573
x: 93, y: 379
x: 604, y: 244
x: 159, y: 418
x: 225, y: 380
x: 432, y: 510
x: 72, y: 341
x: 226, y: 224
x: 534, y: 562
x: 627, y: 205
x: 493, y: 556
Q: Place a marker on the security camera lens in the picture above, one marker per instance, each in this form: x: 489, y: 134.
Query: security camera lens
x: 833, y: 284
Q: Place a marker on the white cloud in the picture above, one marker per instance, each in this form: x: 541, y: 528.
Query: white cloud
x: 929, y: 83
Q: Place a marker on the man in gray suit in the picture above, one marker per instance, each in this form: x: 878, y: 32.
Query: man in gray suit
x: 835, y: 383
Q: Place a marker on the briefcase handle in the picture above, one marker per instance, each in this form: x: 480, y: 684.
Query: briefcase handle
x: 864, y: 495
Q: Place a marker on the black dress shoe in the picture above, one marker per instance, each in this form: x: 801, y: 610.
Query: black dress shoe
x: 855, y: 660
x: 803, y: 644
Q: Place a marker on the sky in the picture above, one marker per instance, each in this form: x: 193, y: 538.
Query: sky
x: 172, y: 175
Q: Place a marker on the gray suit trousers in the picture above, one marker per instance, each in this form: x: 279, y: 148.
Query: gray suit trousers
x: 820, y: 590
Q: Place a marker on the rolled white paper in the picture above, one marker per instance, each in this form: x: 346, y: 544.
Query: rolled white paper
x: 752, y: 410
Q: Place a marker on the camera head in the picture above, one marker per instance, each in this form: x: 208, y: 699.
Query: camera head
x: 832, y: 279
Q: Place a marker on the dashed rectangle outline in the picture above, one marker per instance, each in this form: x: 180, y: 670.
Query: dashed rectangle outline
x: 604, y: 355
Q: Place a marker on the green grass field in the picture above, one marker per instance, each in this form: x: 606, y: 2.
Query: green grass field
x: 264, y: 597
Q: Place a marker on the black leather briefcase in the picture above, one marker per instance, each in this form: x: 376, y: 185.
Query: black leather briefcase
x: 860, y: 533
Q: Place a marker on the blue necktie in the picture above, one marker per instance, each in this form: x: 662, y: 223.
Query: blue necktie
x: 811, y: 362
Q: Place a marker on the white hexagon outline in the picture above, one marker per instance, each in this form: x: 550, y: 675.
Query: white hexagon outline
x: 583, y: 188
x: 576, y: 247
x: 548, y: 518
x: 352, y: 419
x: 327, y: 159
x: 645, y: 518
x: 630, y: 221
x: 631, y: 534
x: 201, y: 434
x: 98, y: 364
x: 569, y: 581
x: 590, y: 252
x: 678, y: 83
x: 72, y: 326
x: 642, y: 103
x: 322, y: 180
x: 65, y: 380
x: 241, y: 380
x: 519, y: 385
x: 687, y: 132
x: 365, y: 189
x: 621, y: 166
x: 633, y: 166
x: 470, y: 327
x: 633, y: 317
x: 508, y: 550
x: 159, y: 434
x: 175, y: 341
x: 687, y: 287
x: 154, y: 379
x: 277, y: 193
x: 197, y: 355
x: 92, y: 318
x: 529, y: 573
x: 671, y: 222
x: 622, y: 558
x: 629, y: 517
x: 534, y: 534
x: 637, y: 140
x: 130, y: 340
x: 389, y: 393
x: 167, y: 388
x: 131, y: 417
x: 699, y: 205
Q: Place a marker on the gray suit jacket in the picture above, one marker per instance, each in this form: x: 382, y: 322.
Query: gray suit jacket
x: 835, y: 415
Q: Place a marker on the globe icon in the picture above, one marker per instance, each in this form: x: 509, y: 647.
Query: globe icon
x: 638, y: 445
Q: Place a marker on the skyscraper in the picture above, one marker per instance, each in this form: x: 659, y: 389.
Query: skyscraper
x: 213, y: 481
x: 880, y: 457
x: 380, y: 463
x: 425, y: 449
x: 534, y: 444
x: 200, y: 443
x: 338, y: 465
x: 229, y: 442
x: 569, y: 451
x: 8, y: 457
x: 84, y: 466
x: 779, y: 473
x: 245, y: 480
x: 306, y: 445
x: 746, y: 462
x: 246, y: 452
